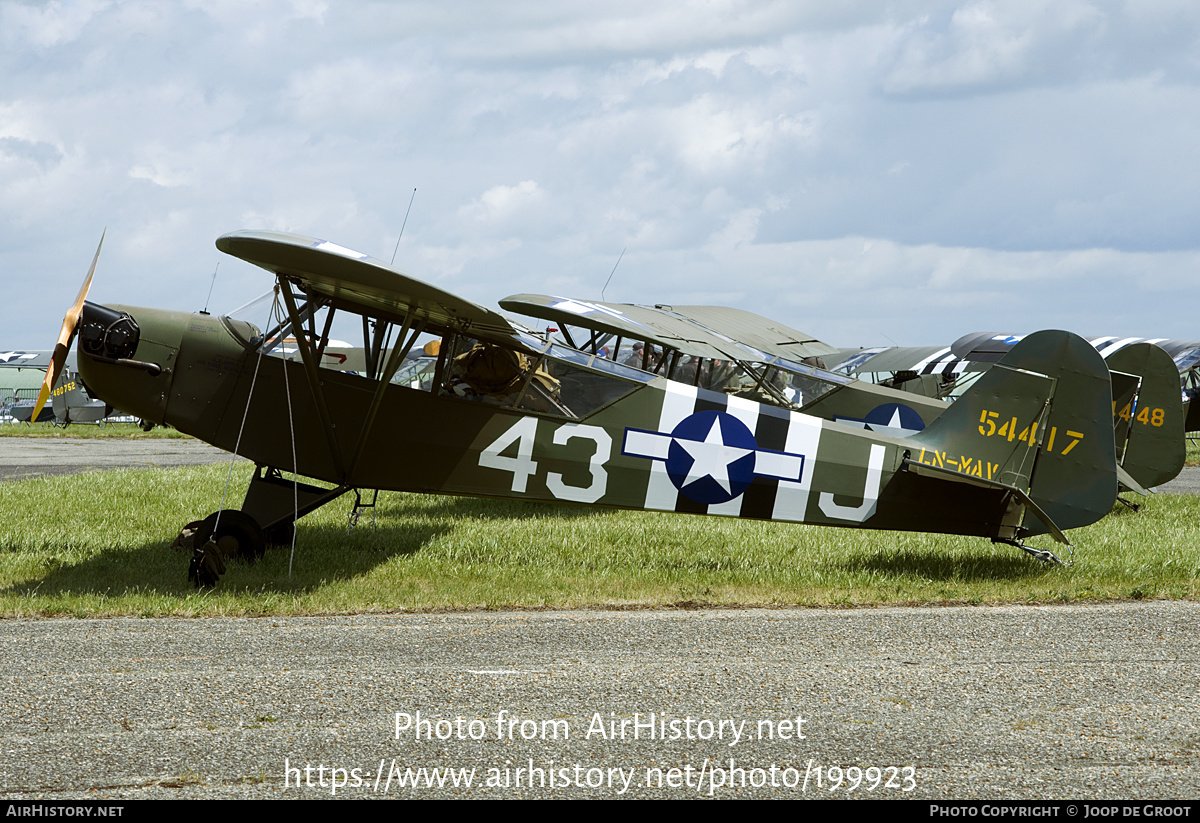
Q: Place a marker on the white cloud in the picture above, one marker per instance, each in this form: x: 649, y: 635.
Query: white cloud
x: 346, y: 93
x: 49, y: 24
x: 501, y: 203
x: 997, y: 158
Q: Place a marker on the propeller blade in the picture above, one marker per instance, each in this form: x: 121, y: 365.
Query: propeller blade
x: 69, y: 326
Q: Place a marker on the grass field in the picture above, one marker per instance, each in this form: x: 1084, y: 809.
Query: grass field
x: 107, y: 431
x: 98, y: 544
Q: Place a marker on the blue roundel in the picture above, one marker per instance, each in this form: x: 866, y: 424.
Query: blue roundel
x: 711, y: 457
x: 895, y: 415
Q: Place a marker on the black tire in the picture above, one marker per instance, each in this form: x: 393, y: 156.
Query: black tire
x: 237, y: 534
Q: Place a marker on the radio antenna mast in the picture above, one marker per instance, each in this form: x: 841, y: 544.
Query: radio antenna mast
x: 210, y: 288
x: 402, y: 225
x: 611, y: 273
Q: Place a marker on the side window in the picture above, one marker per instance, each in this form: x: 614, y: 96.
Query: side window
x: 485, y: 372
x: 584, y: 391
x: 797, y: 389
x: 494, y: 374
x: 803, y: 390
x: 416, y: 373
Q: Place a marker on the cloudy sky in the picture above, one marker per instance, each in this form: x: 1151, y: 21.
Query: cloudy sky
x: 871, y: 172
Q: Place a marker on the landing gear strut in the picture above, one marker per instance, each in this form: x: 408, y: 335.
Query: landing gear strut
x: 268, y: 517
x: 1129, y: 503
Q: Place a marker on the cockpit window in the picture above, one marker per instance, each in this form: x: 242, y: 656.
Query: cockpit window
x: 245, y: 322
x: 562, y: 384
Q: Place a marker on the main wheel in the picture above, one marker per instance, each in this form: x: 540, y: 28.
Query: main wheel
x: 221, y: 535
x: 236, y: 533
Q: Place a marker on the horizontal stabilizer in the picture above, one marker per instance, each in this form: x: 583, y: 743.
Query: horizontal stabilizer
x: 1127, y: 481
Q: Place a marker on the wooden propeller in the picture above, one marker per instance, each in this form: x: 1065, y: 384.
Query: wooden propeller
x: 66, y: 335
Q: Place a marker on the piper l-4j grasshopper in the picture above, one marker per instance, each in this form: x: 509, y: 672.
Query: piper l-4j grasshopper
x: 734, y: 352
x: 1183, y: 355
x: 69, y: 403
x: 739, y: 353
x: 1029, y: 450
x: 940, y: 370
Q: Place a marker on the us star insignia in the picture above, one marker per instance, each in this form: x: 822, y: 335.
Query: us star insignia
x: 712, y: 456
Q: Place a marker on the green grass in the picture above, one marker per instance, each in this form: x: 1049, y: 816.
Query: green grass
x: 98, y: 544
x: 106, y: 431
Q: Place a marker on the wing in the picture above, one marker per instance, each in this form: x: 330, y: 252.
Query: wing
x: 919, y: 359
x: 715, y: 332
x: 631, y: 321
x: 754, y: 330
x: 26, y: 359
x: 986, y: 347
x: 357, y: 282
x: 971, y: 352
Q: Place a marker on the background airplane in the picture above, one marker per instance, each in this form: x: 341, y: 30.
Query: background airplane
x: 760, y: 361
x: 918, y: 368
x: 731, y: 351
x: 23, y: 371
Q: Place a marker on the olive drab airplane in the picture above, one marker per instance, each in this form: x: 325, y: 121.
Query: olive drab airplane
x: 731, y: 351
x: 14, y: 385
x: 948, y: 367
x: 740, y: 353
x: 982, y: 347
x: 70, y: 402
x: 1028, y: 450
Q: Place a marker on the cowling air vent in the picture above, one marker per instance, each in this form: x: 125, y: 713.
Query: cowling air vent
x: 107, y: 333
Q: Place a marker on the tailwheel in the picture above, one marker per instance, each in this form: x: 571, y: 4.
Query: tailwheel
x: 1129, y: 503
x: 1044, y: 555
x: 221, y: 536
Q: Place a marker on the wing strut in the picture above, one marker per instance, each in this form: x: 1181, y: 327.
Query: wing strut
x: 766, y: 386
x: 314, y: 382
x: 399, y: 350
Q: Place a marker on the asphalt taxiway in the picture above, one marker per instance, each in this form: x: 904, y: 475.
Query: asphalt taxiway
x: 1000, y: 703
x: 997, y: 703
x: 22, y: 458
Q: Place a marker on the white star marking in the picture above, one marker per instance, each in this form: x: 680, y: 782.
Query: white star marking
x: 893, y: 427
x: 711, y: 457
x: 9, y: 356
x: 584, y: 307
x: 325, y: 245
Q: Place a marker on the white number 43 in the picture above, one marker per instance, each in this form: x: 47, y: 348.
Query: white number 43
x: 523, y: 466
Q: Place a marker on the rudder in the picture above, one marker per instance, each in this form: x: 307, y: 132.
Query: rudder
x: 1154, y: 445
x: 1038, y: 422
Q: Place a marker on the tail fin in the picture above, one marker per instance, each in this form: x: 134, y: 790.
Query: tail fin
x: 58, y: 394
x: 1039, y: 424
x: 1149, y: 427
